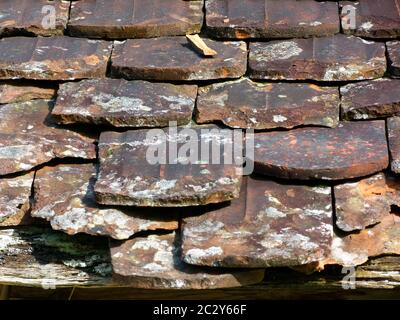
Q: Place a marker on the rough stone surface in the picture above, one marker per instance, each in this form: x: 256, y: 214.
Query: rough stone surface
x: 353, y: 149
x: 174, y: 58
x: 374, y: 19
x: 336, y: 58
x: 248, y: 104
x: 53, y: 58
x: 154, y: 263
x: 122, y: 103
x: 14, y: 200
x: 270, y: 225
x: 393, y: 48
x: 131, y: 175
x: 122, y: 19
x: 64, y: 196
x: 355, y: 249
x: 370, y: 99
x: 271, y: 19
x: 15, y: 92
x: 28, y: 138
x: 26, y: 17
x: 393, y: 125
x: 366, y: 202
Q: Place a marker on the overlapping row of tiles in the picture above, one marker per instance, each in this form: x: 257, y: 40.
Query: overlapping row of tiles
x: 281, y: 238
x: 237, y: 19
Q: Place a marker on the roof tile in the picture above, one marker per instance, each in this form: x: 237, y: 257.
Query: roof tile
x: 64, y: 196
x: 16, y: 92
x: 174, y: 58
x: 270, y: 225
x: 350, y: 150
x: 337, y: 58
x: 393, y: 48
x: 248, y: 104
x: 393, y: 125
x: 121, y: 19
x: 153, y: 263
x: 54, y: 58
x: 124, y: 103
x: 365, y: 202
x: 271, y: 19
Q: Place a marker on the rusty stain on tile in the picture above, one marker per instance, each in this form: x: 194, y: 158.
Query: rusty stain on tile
x: 17, y: 92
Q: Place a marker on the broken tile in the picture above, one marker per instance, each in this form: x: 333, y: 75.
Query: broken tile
x: 174, y: 58
x: 271, y: 19
x: 247, y: 104
x: 355, y: 249
x: 64, y: 196
x: 393, y: 48
x: 366, y: 202
x: 154, y: 263
x: 134, y: 171
x: 270, y: 225
x: 370, y: 99
x: 122, y: 103
x: 336, y: 58
x: 374, y: 19
x: 15, y: 92
x: 53, y: 58
x: 28, y: 138
x: 14, y: 200
x: 33, y: 17
x: 353, y: 149
x: 122, y: 19
x: 393, y: 125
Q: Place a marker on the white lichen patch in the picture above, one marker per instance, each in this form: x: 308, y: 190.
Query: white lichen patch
x: 279, y: 118
x: 278, y: 51
x: 195, y: 255
x: 111, y: 103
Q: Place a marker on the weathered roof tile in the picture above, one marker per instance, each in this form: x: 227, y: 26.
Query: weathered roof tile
x: 13, y: 92
x: 374, y: 19
x: 124, y: 103
x: 14, y: 200
x: 248, y: 104
x: 270, y: 225
x: 393, y: 48
x: 174, y: 58
x: 28, y: 138
x: 64, y: 196
x: 125, y: 160
x: 370, y: 99
x: 353, y: 149
x: 53, y: 58
x: 33, y: 17
x: 271, y: 19
x: 336, y: 58
x: 121, y: 19
x: 154, y: 263
x: 393, y: 125
x: 365, y: 202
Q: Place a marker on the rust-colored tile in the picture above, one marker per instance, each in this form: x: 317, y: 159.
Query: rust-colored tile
x: 21, y: 17
x: 14, y: 200
x: 124, y: 19
x: 353, y: 149
x: 53, y: 58
x: 16, y: 92
x: 336, y: 58
x: 64, y: 196
x: 154, y: 263
x: 248, y: 104
x: 393, y: 48
x: 393, y: 125
x: 122, y: 103
x: 374, y: 19
x: 271, y: 19
x: 270, y: 225
x: 128, y: 175
x: 370, y: 99
x: 174, y: 58
x: 28, y: 138
x: 366, y: 202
